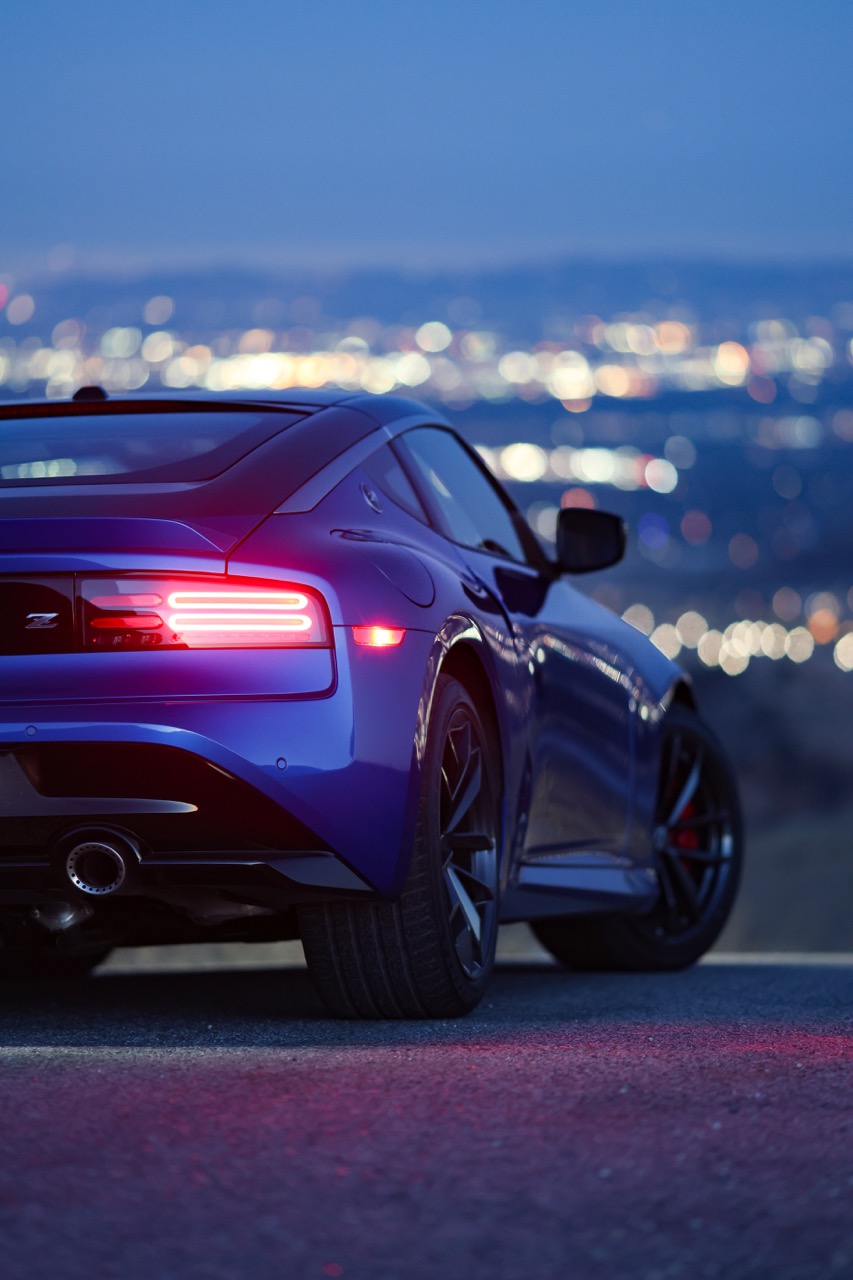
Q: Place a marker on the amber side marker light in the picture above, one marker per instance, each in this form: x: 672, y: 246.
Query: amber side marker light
x: 379, y: 637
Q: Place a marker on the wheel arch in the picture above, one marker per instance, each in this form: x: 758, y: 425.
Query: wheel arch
x: 683, y: 695
x: 465, y: 665
x: 649, y: 731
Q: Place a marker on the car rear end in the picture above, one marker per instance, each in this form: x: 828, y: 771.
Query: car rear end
x: 180, y: 742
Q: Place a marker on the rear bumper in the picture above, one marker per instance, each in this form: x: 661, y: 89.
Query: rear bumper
x: 272, y: 883
x: 290, y: 793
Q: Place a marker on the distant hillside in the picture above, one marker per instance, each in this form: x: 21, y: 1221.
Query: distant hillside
x: 524, y: 303
x: 788, y: 730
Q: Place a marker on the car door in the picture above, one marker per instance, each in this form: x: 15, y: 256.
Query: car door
x: 579, y: 746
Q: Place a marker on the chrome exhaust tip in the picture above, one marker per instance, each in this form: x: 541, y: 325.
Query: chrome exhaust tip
x: 99, y: 864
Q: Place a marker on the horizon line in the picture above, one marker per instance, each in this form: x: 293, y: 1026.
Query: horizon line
x: 69, y: 262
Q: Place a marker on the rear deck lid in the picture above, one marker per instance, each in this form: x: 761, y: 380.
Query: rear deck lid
x: 67, y: 544
x: 71, y: 535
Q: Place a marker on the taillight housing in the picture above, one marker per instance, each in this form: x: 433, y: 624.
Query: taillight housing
x: 200, y: 613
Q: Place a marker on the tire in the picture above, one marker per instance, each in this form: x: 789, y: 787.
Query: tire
x: 41, y: 964
x: 429, y: 955
x: 698, y: 839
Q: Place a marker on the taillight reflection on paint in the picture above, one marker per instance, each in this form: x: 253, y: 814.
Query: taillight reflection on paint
x: 174, y: 613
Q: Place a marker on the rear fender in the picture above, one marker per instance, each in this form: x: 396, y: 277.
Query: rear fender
x: 496, y: 685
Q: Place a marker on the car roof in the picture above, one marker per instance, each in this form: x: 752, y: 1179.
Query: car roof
x: 300, y: 398
x: 316, y: 428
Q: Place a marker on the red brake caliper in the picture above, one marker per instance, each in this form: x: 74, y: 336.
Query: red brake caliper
x: 686, y: 838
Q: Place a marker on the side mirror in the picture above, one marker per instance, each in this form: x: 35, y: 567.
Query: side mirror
x: 588, y: 540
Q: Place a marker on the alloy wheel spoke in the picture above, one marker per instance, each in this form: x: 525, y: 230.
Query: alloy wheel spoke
x: 463, y: 795
x: 665, y: 879
x: 468, y: 843
x: 685, y: 887
x: 687, y: 791
x: 460, y: 745
x: 482, y: 880
x: 460, y: 896
x: 451, y: 765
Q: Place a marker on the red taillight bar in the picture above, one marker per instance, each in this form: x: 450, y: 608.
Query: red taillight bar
x: 239, y: 611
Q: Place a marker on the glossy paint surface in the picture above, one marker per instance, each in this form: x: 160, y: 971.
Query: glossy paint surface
x: 334, y: 737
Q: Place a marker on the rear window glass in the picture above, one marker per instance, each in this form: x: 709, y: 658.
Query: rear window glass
x: 94, y: 448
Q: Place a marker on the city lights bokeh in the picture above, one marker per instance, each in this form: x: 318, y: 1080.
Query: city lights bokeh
x: 779, y: 370
x: 623, y: 359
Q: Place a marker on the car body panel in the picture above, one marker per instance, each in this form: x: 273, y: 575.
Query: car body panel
x: 332, y: 738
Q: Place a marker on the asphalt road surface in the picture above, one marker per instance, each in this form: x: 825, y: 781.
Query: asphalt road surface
x: 214, y: 1124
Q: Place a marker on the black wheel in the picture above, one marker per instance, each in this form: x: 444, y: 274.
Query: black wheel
x: 430, y: 954
x: 698, y: 839
x: 35, y: 963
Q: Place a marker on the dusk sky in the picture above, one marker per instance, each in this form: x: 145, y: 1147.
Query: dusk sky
x: 388, y: 129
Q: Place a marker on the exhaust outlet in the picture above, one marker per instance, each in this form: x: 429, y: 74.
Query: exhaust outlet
x: 99, y: 863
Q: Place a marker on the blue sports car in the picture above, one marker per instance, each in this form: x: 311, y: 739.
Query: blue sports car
x: 293, y: 665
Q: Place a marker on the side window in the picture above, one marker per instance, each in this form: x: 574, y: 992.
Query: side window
x: 384, y: 469
x: 468, y: 506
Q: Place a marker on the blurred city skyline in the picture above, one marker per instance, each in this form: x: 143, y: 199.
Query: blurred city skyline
x: 714, y: 415
x: 401, y: 133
